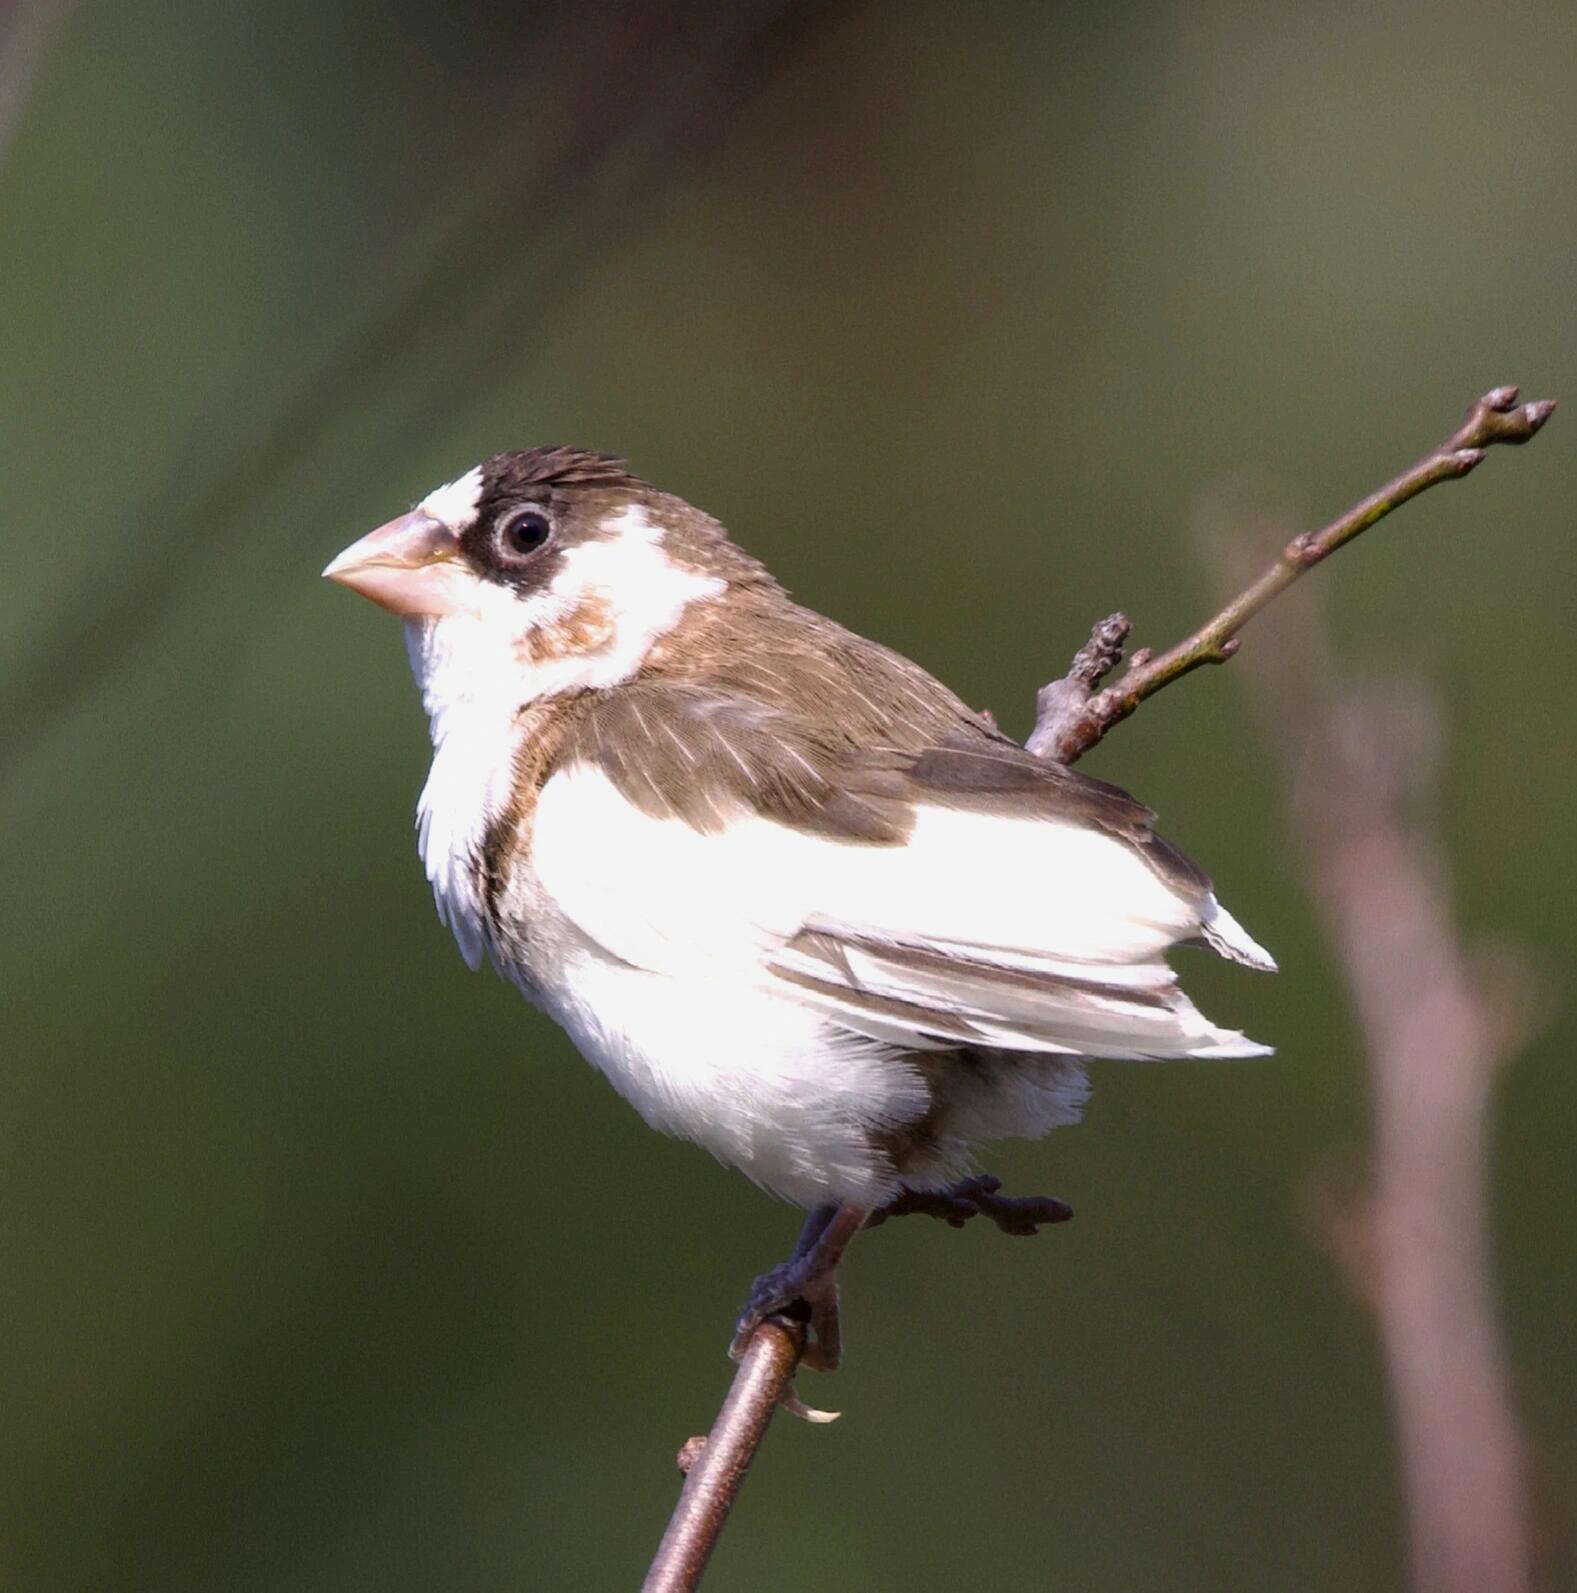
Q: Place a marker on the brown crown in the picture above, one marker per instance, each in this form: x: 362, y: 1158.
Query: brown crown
x: 554, y: 465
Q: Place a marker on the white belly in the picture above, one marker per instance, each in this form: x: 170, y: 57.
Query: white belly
x: 762, y: 1082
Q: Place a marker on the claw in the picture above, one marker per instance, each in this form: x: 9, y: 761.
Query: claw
x: 795, y: 1406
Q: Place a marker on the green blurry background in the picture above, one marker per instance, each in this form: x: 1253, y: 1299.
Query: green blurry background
x: 327, y: 1265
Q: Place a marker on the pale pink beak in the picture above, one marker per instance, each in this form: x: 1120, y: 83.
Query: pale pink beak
x: 407, y: 566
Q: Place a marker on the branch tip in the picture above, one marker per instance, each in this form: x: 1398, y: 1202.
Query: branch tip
x: 1536, y: 413
x: 1101, y: 654
x: 1072, y: 716
x: 1497, y: 417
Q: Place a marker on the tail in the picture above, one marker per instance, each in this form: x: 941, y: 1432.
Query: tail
x: 1224, y: 934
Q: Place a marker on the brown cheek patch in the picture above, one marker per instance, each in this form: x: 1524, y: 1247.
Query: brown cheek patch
x: 587, y: 628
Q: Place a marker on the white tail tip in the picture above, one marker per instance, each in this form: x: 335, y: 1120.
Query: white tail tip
x: 1223, y: 933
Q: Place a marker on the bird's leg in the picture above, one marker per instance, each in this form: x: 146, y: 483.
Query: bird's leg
x: 810, y: 1276
x: 806, y: 1285
x: 976, y: 1197
x: 814, y: 1227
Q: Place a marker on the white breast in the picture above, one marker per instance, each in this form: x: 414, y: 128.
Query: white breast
x: 479, y: 678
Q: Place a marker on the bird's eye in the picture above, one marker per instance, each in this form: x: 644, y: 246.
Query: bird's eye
x: 519, y: 535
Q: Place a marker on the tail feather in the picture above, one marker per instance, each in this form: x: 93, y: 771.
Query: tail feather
x: 1223, y: 933
x: 941, y: 991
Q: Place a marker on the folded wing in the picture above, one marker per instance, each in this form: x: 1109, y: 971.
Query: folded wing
x: 963, y: 895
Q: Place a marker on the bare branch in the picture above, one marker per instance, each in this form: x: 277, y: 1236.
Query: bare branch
x: 1073, y: 716
x: 1060, y: 704
x: 716, y: 1465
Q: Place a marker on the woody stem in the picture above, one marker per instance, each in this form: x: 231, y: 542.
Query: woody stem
x: 1072, y: 714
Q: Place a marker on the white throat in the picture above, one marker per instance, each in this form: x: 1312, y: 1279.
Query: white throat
x: 478, y: 670
x: 471, y: 704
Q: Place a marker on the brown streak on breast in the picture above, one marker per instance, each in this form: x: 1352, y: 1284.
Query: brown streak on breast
x: 507, y: 841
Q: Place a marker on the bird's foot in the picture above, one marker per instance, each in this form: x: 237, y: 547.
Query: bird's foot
x: 804, y: 1289
x: 1019, y: 1215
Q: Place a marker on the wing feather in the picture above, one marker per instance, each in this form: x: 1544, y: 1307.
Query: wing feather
x: 925, y: 908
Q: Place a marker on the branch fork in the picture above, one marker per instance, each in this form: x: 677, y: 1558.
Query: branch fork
x: 1074, y: 713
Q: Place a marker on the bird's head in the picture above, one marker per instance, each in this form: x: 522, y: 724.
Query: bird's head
x: 553, y: 567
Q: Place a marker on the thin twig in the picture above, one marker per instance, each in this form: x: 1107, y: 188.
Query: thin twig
x: 763, y: 1383
x: 1073, y: 715
x: 716, y: 1466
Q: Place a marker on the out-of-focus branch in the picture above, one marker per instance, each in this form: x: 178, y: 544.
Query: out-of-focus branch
x: 1072, y: 714
x: 472, y: 288
x: 27, y: 28
x: 1361, y: 768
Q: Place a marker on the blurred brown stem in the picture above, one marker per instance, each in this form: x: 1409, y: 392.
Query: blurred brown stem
x: 596, y: 127
x: 27, y: 29
x: 1361, y: 768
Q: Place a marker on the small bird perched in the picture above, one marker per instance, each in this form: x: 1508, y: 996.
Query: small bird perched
x: 785, y: 890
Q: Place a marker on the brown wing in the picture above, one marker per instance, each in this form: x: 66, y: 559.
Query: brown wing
x: 879, y: 738
x: 1050, y: 946
x: 989, y: 772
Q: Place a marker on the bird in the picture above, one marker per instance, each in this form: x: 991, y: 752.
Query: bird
x: 792, y: 897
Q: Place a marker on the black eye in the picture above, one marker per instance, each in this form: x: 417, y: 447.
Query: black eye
x: 519, y: 535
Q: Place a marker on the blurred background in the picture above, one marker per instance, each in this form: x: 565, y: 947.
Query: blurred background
x: 328, y: 1265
